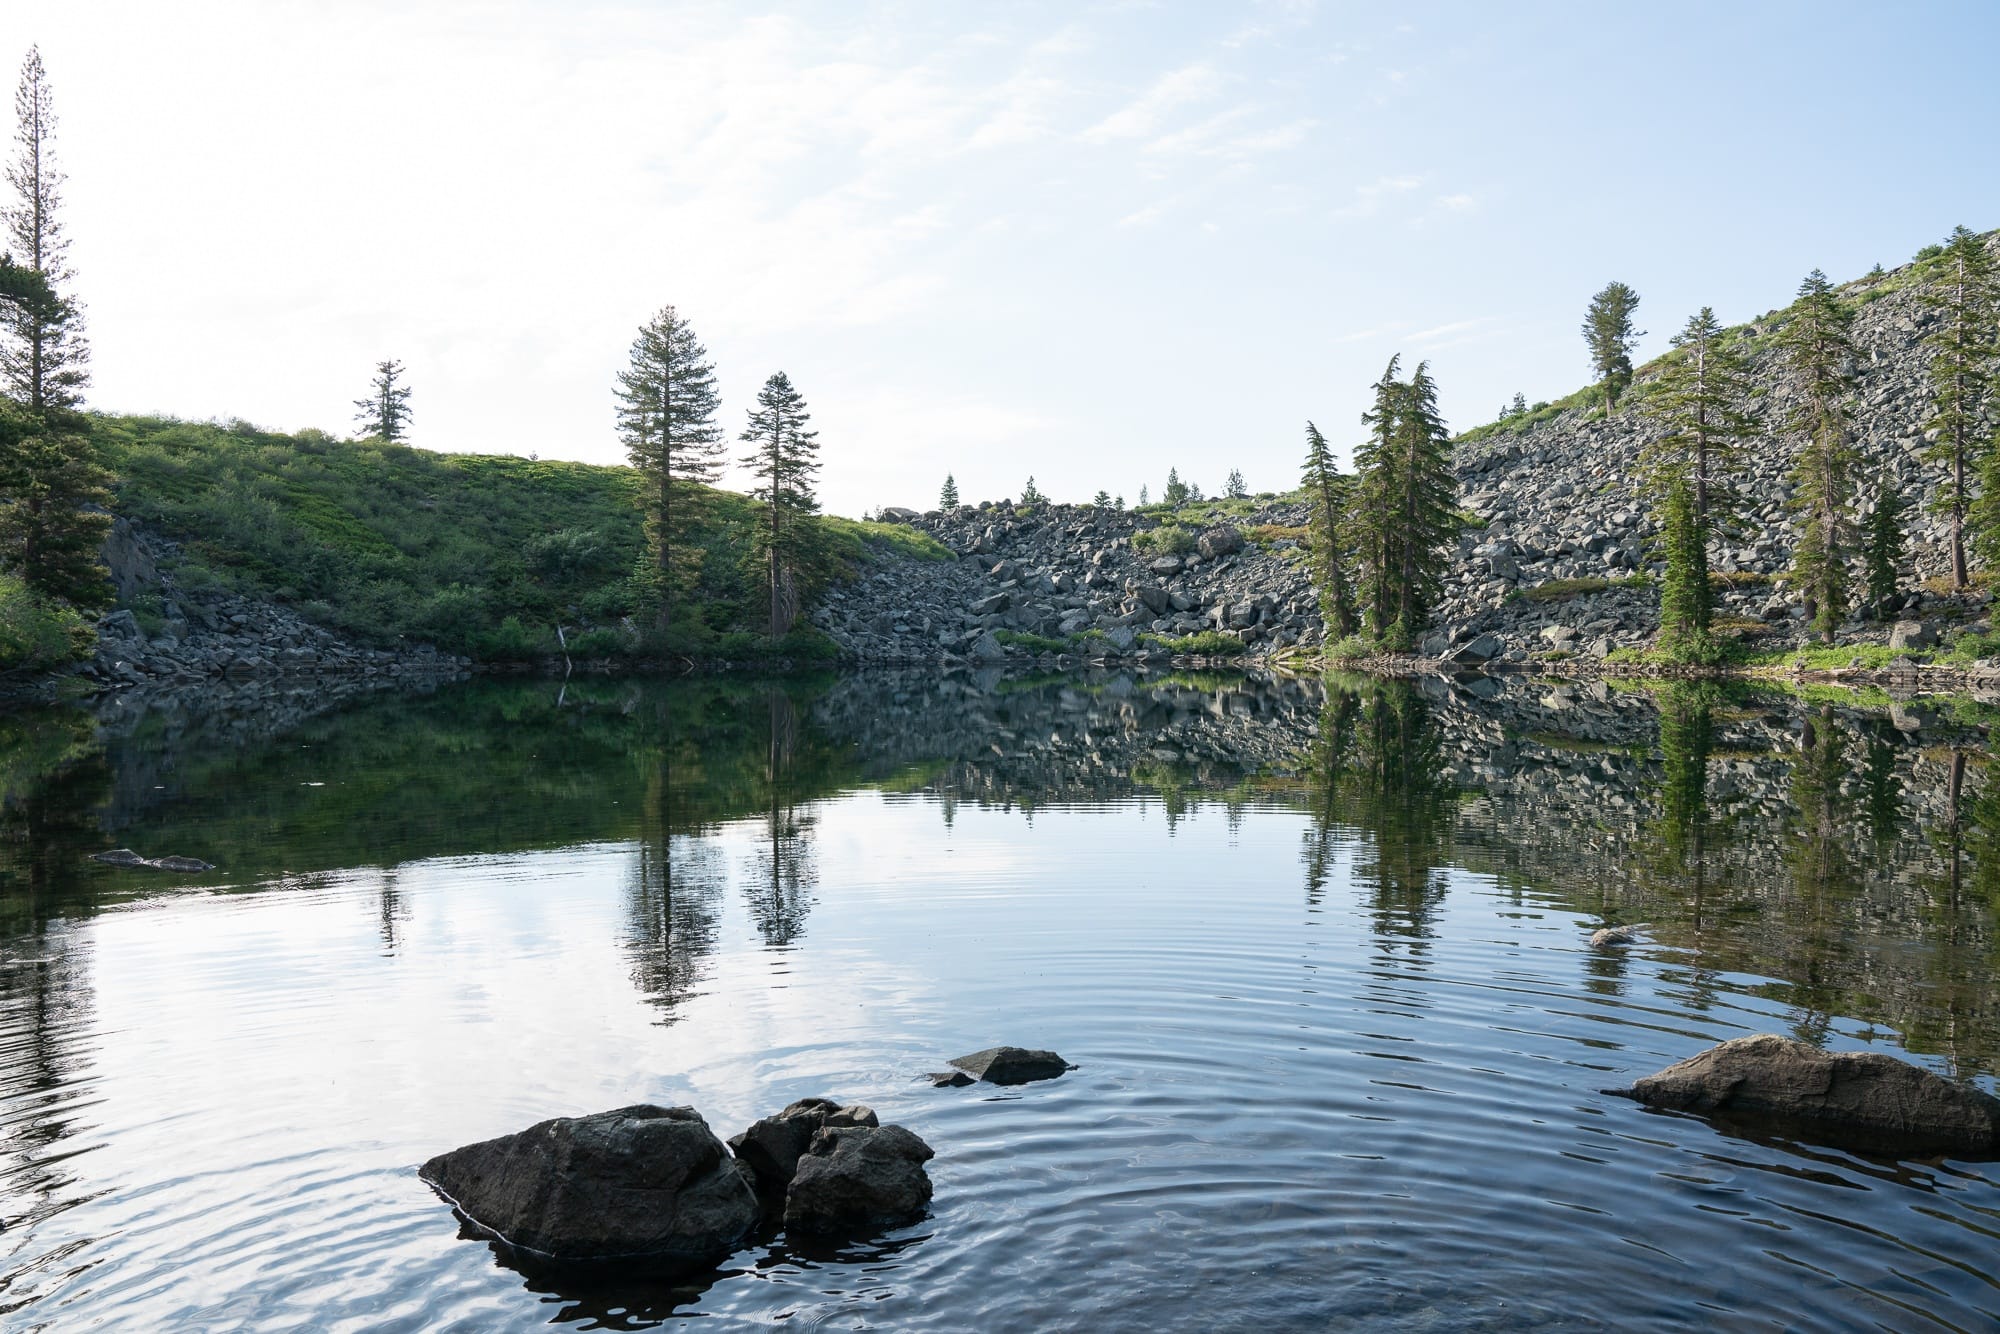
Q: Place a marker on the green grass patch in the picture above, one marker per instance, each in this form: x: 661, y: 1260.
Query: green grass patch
x: 1169, y: 539
x: 1204, y: 643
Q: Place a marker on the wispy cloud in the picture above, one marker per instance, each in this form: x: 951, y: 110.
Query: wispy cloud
x: 1145, y: 114
x: 1369, y: 198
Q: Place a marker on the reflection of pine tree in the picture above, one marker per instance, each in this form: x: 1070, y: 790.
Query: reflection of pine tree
x: 1822, y: 875
x: 1687, y: 735
x: 670, y: 916
x: 1378, y: 766
x: 1327, y: 762
x: 783, y: 875
x: 1883, y: 789
x: 46, y: 994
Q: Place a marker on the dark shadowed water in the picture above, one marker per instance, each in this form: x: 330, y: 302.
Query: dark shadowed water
x: 1319, y: 950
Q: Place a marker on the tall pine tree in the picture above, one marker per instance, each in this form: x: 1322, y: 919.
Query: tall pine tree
x: 783, y: 456
x: 52, y: 522
x: 1962, y: 350
x: 666, y: 419
x: 385, y: 414
x: 1608, y: 332
x: 1327, y: 535
x: 1819, y: 351
x: 948, y: 494
x: 1403, y: 516
x: 1698, y: 397
x: 1884, y: 550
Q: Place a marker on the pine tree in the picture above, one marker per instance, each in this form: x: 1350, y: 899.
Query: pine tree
x: 784, y: 456
x: 1962, y: 348
x: 1608, y: 332
x: 1884, y: 550
x: 1519, y: 407
x: 1118, y: 503
x: 1698, y: 397
x: 1142, y: 495
x: 385, y: 414
x: 1176, y: 494
x: 666, y: 420
x: 948, y: 494
x: 1818, y: 350
x: 1684, y: 592
x: 1327, y: 537
x: 52, y: 524
x: 1235, y: 489
x: 1403, y: 512
x: 1102, y: 500
x: 44, y: 356
x: 53, y: 527
x: 1032, y: 494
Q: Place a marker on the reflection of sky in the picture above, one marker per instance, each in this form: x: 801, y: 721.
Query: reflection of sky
x: 267, y: 1074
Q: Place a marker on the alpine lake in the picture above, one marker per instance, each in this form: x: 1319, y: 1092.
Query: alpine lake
x: 1319, y: 949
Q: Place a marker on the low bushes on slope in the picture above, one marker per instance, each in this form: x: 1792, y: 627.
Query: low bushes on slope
x: 479, y: 554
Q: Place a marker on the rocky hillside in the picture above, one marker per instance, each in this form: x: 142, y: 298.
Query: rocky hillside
x: 1557, y: 556
x: 1561, y: 508
x: 1085, y: 581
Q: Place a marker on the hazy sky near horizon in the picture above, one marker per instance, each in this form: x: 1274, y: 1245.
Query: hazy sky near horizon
x: 1086, y: 242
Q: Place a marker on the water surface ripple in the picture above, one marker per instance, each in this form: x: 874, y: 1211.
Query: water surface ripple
x: 1342, y: 1039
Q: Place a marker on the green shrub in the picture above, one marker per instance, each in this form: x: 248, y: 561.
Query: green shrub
x: 1204, y: 643
x: 1352, y: 648
x: 1169, y: 539
x: 1030, y: 642
x: 37, y: 635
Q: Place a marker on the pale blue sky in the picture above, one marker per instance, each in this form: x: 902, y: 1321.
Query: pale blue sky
x: 1086, y: 242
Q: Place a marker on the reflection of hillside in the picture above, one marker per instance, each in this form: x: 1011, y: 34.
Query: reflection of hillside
x: 1849, y: 858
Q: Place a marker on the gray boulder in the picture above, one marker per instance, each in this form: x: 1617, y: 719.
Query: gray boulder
x: 1012, y: 1065
x: 770, y: 1148
x: 1218, y: 541
x: 856, y: 1177
x: 897, y: 514
x: 987, y: 649
x: 1481, y: 648
x: 1865, y: 1101
x: 643, y: 1185
x: 1911, y: 634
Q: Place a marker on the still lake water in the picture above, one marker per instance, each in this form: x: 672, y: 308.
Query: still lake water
x: 1319, y: 950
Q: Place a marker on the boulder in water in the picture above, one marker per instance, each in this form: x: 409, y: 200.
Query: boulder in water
x: 771, y: 1147
x: 853, y: 1178
x: 1012, y: 1065
x: 1865, y: 1101
x: 643, y: 1185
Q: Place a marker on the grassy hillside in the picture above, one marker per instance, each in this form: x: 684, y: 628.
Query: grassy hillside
x: 478, y: 554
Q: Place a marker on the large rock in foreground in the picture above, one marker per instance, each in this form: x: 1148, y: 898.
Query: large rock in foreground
x: 771, y: 1148
x: 856, y: 1177
x: 1864, y: 1101
x: 1012, y: 1065
x: 650, y: 1185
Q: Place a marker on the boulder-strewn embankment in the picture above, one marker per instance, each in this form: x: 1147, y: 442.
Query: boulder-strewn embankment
x: 1098, y: 582
x: 200, y: 639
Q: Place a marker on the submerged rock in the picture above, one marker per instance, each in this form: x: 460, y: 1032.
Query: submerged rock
x: 771, y: 1147
x: 1864, y: 1101
x: 857, y: 1177
x: 1616, y: 935
x: 127, y: 857
x: 949, y: 1079
x: 646, y: 1185
x: 1012, y: 1065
